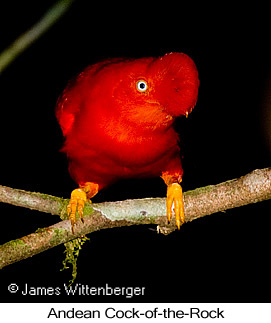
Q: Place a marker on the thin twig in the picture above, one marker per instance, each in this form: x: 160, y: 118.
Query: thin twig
x: 35, y: 32
x: 251, y: 188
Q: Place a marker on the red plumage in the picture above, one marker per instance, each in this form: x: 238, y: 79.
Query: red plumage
x: 117, y: 117
x: 115, y: 131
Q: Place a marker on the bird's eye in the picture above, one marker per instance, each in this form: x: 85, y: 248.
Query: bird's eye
x: 141, y: 86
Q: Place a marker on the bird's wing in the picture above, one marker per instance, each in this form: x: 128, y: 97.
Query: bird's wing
x: 70, y: 102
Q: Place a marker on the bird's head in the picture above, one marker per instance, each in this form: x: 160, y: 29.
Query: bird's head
x: 153, y: 91
x: 146, y: 92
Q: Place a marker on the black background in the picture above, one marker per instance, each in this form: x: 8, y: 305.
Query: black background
x: 219, y: 258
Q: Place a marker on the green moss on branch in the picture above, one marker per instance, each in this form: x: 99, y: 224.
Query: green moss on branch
x: 251, y: 188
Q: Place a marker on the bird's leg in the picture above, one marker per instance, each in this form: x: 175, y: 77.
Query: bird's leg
x: 78, y: 199
x: 174, y: 196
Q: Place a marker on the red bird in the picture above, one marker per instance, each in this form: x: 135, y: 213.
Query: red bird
x: 117, y: 118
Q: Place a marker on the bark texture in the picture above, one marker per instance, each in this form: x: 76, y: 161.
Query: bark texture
x: 251, y: 188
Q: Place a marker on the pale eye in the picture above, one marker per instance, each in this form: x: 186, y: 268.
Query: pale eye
x: 141, y: 86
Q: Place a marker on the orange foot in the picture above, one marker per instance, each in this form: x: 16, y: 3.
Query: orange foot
x: 78, y: 199
x: 175, y: 195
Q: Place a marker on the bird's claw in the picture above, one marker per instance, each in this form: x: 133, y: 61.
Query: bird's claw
x: 77, y: 202
x: 175, y: 195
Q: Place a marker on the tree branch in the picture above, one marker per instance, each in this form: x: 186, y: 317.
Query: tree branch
x: 251, y: 188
